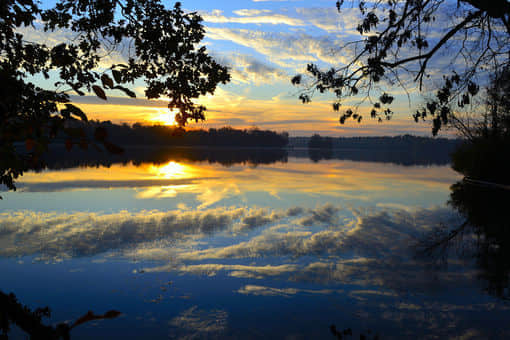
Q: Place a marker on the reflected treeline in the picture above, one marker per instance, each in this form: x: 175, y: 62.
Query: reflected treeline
x: 13, y: 312
x: 485, y: 233
x: 406, y: 157
x: 485, y: 209
x: 402, y: 150
x: 59, y: 158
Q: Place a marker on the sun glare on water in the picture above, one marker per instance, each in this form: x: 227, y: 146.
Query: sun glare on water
x: 171, y: 170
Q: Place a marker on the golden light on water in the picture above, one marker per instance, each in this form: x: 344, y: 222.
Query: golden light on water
x: 171, y: 170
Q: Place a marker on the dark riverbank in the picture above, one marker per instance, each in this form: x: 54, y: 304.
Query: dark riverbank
x: 59, y: 157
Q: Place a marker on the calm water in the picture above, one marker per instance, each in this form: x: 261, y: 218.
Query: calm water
x: 286, y: 248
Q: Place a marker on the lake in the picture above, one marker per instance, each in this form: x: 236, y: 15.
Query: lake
x: 246, y: 244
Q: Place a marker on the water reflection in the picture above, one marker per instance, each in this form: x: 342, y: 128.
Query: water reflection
x: 484, y: 234
x: 209, y: 184
x: 229, y: 244
x: 326, y: 245
x: 14, y: 313
x: 363, y: 258
x: 171, y: 170
x: 59, y: 158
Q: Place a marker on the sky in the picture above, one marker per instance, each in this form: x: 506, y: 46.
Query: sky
x: 264, y: 44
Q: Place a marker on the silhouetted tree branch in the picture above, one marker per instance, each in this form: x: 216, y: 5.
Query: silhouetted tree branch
x: 156, y: 45
x: 400, y: 40
x: 30, y: 322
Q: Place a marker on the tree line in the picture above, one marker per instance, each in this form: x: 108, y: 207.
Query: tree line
x: 162, y: 135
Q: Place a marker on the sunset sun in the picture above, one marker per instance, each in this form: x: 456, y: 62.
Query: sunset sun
x: 163, y: 116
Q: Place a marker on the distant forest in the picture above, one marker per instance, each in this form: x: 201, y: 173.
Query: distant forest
x: 161, y: 135
x: 406, y: 150
x: 228, y: 146
x: 396, y: 143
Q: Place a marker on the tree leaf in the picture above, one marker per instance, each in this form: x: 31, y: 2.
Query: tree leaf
x: 107, y: 81
x: 77, y: 112
x: 65, y: 113
x: 117, y: 75
x: 99, y: 92
x: 126, y: 91
x: 90, y: 316
x: 77, y: 90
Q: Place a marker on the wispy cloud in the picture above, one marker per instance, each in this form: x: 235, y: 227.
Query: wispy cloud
x: 251, y: 17
x: 78, y: 234
x: 196, y: 323
x: 360, y: 249
x: 286, y: 292
x: 247, y: 69
x: 291, y: 50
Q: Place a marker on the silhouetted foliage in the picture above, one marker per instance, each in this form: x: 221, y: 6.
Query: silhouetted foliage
x: 160, y: 46
x: 485, y: 232
x: 30, y: 322
x: 404, y: 142
x: 161, y: 135
x: 496, y: 122
x: 400, y: 39
x: 484, y: 155
x: 486, y: 212
x: 317, y: 155
x: 402, y: 150
x: 316, y: 141
x: 320, y: 148
x: 482, y: 197
x: 484, y: 159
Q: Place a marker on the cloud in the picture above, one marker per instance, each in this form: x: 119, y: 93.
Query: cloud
x: 247, y: 69
x: 342, y: 24
x: 295, y: 211
x: 120, y: 101
x: 371, y: 248
x: 326, y: 214
x: 54, y: 235
x: 195, y: 323
x: 252, y: 17
x: 98, y: 184
x: 236, y: 270
x: 37, y: 34
x: 251, y: 12
x: 64, y: 235
x: 324, y: 18
x: 259, y: 218
x: 291, y: 50
x: 369, y: 260
x: 377, y: 250
x: 285, y: 292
